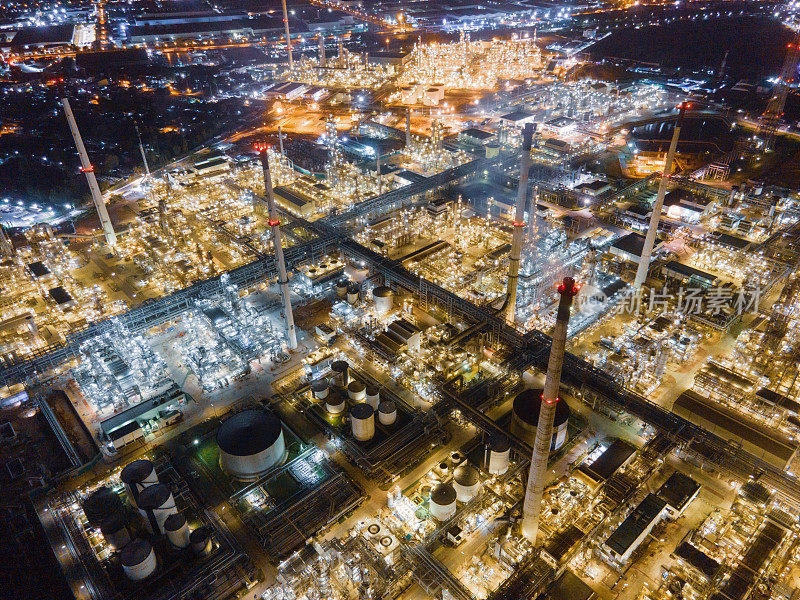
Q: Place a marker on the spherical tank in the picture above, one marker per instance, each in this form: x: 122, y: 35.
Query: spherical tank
x: 200, y: 539
x: 498, y: 453
x: 443, y: 501
x: 466, y: 482
x: 357, y: 391
x: 341, y: 373
x: 362, y: 420
x: 525, y: 418
x: 138, y: 475
x: 156, y: 504
x: 373, y: 396
x: 115, y: 531
x: 319, y: 388
x: 100, y: 504
x: 387, y: 412
x: 383, y: 299
x: 138, y: 559
x: 250, y: 443
x: 177, y: 530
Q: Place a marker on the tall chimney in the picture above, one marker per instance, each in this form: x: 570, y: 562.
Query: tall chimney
x: 510, y: 305
x: 408, y: 129
x: 322, y: 62
x: 532, y: 507
x: 288, y: 35
x: 650, y: 238
x: 275, y: 224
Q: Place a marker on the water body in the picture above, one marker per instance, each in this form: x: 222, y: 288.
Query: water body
x: 757, y: 45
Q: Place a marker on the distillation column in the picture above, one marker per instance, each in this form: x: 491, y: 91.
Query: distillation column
x: 650, y: 238
x: 510, y: 306
x: 532, y: 507
x: 88, y: 170
x: 275, y: 224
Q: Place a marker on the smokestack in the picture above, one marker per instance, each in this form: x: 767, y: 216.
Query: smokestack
x: 650, y: 238
x: 288, y: 35
x: 532, y: 507
x: 280, y: 140
x: 408, y: 129
x: 141, y: 149
x: 88, y: 169
x: 516, y: 243
x: 378, y: 169
x: 275, y: 224
x: 322, y: 62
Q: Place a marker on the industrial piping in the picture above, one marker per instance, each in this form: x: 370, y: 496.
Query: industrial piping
x: 532, y: 507
x: 510, y: 305
x: 650, y: 238
x: 275, y: 224
x: 88, y: 170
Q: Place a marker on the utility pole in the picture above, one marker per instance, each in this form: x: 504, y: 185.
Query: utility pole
x: 288, y: 35
x: 650, y: 238
x: 88, y: 170
x: 275, y: 225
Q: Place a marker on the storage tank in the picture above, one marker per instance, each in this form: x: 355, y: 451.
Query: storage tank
x: 341, y: 289
x: 387, y: 412
x: 525, y: 418
x: 356, y: 272
x: 498, y: 453
x: 334, y: 403
x: 353, y: 291
x: 319, y: 388
x: 362, y: 420
x: 443, y: 502
x: 100, y: 504
x: 156, y: 504
x: 177, y: 530
x: 373, y: 396
x: 250, y: 443
x: 357, y: 391
x: 138, y: 475
x: 138, y: 559
x: 341, y: 373
x: 455, y: 458
x: 383, y: 299
x: 466, y: 482
x: 200, y: 539
x: 115, y: 530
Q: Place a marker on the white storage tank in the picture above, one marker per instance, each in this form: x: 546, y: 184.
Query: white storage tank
x: 156, y: 504
x: 177, y: 530
x: 356, y: 272
x: 341, y: 373
x: 357, y: 391
x: 341, y: 289
x: 443, y: 502
x: 525, y: 418
x: 200, y: 539
x: 138, y: 475
x: 353, y: 291
x: 373, y: 396
x: 466, y: 482
x: 115, y: 531
x: 334, y: 403
x: 387, y: 412
x: 250, y: 443
x: 362, y: 421
x: 383, y: 299
x: 498, y: 453
x: 319, y: 388
x: 138, y: 559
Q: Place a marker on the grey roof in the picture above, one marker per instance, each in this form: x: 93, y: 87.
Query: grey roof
x: 443, y: 494
x: 248, y: 432
x: 528, y: 403
x: 678, y: 490
x: 135, y: 552
x: 153, y: 496
x: 465, y: 474
x: 174, y: 522
x: 136, y: 471
x: 362, y: 410
x: 635, y: 523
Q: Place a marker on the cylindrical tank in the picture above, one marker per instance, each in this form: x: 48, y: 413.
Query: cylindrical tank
x: 138, y: 475
x: 177, y: 530
x: 353, y: 291
x: 498, y: 452
x: 356, y: 272
x: 334, y: 403
x: 466, y: 482
x: 341, y: 289
x: 373, y: 396
x: 383, y: 299
x: 455, y: 458
x: 156, y: 504
x: 101, y: 503
x: 250, y: 443
x: 115, y: 530
x: 362, y: 420
x: 319, y: 388
x: 525, y: 418
x: 200, y: 539
x: 357, y: 391
x: 341, y: 373
x: 387, y: 412
x: 443, y: 502
x: 138, y: 559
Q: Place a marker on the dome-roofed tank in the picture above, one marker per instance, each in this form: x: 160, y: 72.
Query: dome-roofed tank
x: 383, y: 299
x: 250, y: 443
x: 156, y: 504
x: 466, y: 482
x: 387, y: 412
x: 525, y: 417
x: 443, y: 501
x: 353, y: 291
x: 200, y: 539
x: 115, y: 530
x: 373, y: 396
x: 319, y: 388
x: 498, y: 453
x: 101, y: 503
x: 138, y: 475
x: 341, y: 289
x: 340, y: 371
x: 177, y: 530
x: 362, y: 420
x: 357, y: 391
x: 138, y: 559
x: 335, y: 403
